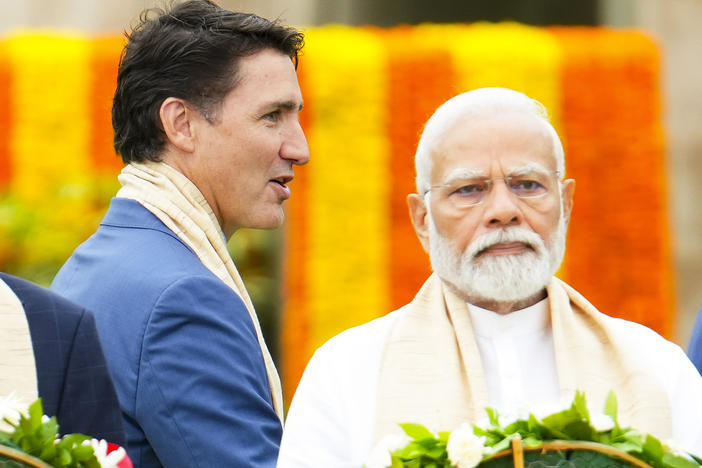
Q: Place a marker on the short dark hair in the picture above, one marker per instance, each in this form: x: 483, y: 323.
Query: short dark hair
x: 191, y: 52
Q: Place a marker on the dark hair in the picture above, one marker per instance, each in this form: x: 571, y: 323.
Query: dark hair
x: 190, y: 52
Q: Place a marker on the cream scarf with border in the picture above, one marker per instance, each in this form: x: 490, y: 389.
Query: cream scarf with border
x: 431, y: 370
x: 178, y: 203
x: 18, y: 372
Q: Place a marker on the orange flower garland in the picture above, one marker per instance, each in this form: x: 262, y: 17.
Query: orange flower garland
x: 619, y: 243
x: 421, y: 77
x: 104, y: 57
x: 5, y: 116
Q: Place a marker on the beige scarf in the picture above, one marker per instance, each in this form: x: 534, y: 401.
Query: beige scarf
x: 18, y: 373
x: 178, y: 203
x: 431, y: 371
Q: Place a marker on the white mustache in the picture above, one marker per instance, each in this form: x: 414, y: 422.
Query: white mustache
x: 513, y: 234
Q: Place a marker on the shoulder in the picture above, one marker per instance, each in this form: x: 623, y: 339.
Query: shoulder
x: 195, y: 294
x: 352, y: 355
x: 366, y: 339
x: 44, y: 308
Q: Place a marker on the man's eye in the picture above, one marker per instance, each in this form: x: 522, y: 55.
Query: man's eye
x: 470, y: 189
x: 527, y: 186
x: 272, y: 116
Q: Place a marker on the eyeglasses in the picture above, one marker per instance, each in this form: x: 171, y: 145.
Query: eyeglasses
x: 467, y: 192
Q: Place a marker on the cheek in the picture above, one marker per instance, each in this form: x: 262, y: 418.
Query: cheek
x: 459, y: 230
x: 545, y: 224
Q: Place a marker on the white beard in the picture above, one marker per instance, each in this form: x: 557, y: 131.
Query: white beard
x: 500, y: 278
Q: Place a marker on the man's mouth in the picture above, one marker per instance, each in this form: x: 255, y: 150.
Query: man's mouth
x: 506, y: 248
x: 282, y: 180
x: 280, y: 184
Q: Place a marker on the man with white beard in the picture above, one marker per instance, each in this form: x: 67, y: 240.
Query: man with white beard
x: 492, y: 327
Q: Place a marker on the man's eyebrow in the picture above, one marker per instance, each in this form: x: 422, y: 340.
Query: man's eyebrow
x: 528, y: 168
x: 285, y: 105
x: 464, y: 173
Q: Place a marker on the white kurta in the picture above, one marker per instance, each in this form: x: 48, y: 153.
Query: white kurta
x: 331, y: 419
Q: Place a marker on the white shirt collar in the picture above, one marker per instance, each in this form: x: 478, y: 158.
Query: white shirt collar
x: 487, y: 323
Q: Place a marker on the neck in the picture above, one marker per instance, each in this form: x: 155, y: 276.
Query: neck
x: 501, y: 307
x: 504, y: 308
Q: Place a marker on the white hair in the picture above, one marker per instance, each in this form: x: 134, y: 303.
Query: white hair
x: 478, y: 102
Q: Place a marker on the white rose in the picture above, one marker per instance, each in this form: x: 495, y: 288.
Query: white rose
x: 380, y: 456
x: 10, y: 408
x: 465, y: 449
x: 601, y: 422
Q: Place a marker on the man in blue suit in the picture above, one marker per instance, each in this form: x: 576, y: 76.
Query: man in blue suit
x: 206, y: 118
x: 72, y: 377
x: 695, y: 348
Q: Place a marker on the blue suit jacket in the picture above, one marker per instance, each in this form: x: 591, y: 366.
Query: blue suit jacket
x: 180, y: 345
x: 695, y: 348
x: 73, y: 380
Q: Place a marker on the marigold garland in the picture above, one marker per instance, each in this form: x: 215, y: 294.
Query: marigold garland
x: 6, y: 119
x: 619, y: 243
x: 104, y: 58
x: 421, y: 77
x: 346, y: 263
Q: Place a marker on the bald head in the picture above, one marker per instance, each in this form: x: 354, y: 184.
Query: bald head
x: 483, y: 102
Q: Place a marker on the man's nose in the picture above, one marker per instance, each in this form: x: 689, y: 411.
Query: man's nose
x: 295, y: 146
x: 501, y: 206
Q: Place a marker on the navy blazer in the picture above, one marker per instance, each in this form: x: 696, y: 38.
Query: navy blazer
x: 73, y: 380
x: 695, y: 348
x: 180, y: 344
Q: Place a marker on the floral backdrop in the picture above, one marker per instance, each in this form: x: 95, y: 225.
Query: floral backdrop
x: 348, y: 252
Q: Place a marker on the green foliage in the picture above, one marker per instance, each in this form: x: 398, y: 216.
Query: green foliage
x: 37, y: 436
x: 574, y: 423
x: 425, y: 450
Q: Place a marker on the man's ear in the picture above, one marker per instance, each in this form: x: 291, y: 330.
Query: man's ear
x: 420, y: 218
x: 176, y: 118
x: 567, y: 190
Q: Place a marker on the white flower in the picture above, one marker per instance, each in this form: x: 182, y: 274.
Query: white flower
x: 380, y: 456
x: 465, y: 449
x: 11, y: 407
x: 106, y: 460
x: 601, y: 422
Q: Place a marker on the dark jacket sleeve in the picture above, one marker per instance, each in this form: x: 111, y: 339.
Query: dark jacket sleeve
x: 73, y: 379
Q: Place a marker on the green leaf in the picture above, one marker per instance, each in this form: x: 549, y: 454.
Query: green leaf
x: 64, y: 457
x: 36, y: 412
x: 83, y: 452
x: 580, y: 405
x: 675, y: 461
x: 397, y: 463
x: 416, y: 431
x: 493, y: 417
x: 610, y: 407
x: 653, y: 448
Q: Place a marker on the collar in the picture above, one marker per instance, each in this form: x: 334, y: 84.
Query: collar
x: 489, y: 324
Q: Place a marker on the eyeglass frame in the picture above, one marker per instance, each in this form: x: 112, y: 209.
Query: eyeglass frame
x: 490, y: 182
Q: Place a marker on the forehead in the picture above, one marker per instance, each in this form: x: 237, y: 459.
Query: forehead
x: 266, y: 76
x: 494, y: 145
